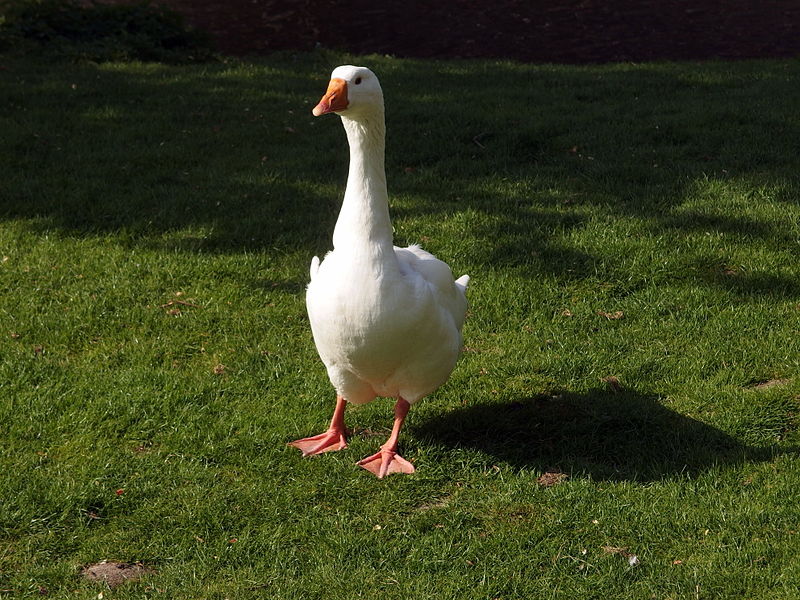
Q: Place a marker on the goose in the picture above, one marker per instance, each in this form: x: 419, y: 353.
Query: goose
x: 386, y: 321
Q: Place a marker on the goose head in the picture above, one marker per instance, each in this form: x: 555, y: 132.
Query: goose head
x: 352, y: 91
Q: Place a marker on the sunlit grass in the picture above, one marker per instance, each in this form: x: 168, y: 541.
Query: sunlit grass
x: 632, y: 233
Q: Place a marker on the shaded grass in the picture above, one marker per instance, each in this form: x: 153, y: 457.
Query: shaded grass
x: 666, y: 192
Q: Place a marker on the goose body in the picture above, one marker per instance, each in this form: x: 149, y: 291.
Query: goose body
x: 389, y: 329
x: 386, y: 320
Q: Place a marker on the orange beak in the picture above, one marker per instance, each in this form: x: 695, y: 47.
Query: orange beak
x: 334, y: 100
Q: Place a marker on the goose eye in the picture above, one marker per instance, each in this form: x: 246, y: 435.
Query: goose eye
x: 358, y: 80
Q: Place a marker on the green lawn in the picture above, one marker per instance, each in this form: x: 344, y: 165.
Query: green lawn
x: 633, y: 222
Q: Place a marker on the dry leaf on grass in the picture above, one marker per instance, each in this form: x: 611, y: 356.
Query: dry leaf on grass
x: 613, y: 383
x: 633, y: 560
x: 611, y: 316
x: 729, y: 271
x: 551, y: 478
x: 181, y: 302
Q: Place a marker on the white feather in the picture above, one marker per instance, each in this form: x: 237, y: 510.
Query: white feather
x: 314, y: 267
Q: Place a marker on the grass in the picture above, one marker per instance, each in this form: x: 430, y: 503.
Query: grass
x: 156, y: 227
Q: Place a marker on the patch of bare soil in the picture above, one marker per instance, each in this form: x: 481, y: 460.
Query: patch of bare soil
x: 771, y: 383
x: 114, y: 573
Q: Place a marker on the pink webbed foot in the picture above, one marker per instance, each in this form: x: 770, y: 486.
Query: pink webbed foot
x: 333, y: 439
x: 329, y: 441
x: 385, y: 462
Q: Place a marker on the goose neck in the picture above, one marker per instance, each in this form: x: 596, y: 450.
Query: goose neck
x: 364, y: 218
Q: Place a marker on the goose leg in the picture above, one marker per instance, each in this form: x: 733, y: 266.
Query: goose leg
x: 387, y: 460
x: 335, y: 438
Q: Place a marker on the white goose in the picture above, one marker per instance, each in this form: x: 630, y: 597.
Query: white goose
x: 386, y: 320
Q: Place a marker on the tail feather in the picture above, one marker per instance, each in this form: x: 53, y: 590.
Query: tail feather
x: 462, y: 282
x: 314, y: 267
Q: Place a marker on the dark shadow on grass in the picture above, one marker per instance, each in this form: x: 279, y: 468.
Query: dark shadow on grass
x: 758, y: 284
x: 623, y: 436
x: 730, y: 224
x: 173, y: 160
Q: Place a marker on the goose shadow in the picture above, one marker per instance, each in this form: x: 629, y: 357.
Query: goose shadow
x: 607, y: 435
